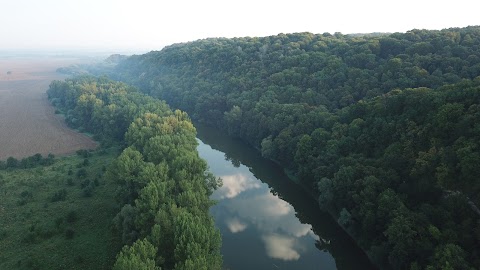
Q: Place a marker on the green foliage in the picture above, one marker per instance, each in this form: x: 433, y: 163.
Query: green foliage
x: 28, y: 162
x: 69, y: 233
x: 384, y: 128
x: 72, y: 216
x: 12, y: 162
x: 84, y: 153
x: 33, y: 232
x: 60, y: 195
x: 139, y: 256
x: 81, y: 173
x: 159, y: 175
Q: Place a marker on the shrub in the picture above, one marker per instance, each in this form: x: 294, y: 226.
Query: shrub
x: 84, y: 153
x: 60, y: 195
x: 26, y: 194
x: 82, y: 173
x: 70, y: 182
x: 58, y: 222
x: 69, y: 233
x: 88, y: 191
x: 72, y: 216
x: 29, y: 237
x: 25, y: 197
x: 3, y: 234
x: 85, y: 183
x: 45, y: 231
x: 12, y: 162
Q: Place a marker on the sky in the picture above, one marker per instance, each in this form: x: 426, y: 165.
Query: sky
x: 144, y: 25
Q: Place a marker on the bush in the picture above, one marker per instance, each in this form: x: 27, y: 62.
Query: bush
x: 25, y: 197
x: 84, y: 153
x: 69, y: 233
x: 45, y: 231
x: 88, y: 191
x: 26, y: 194
x: 29, y: 237
x: 86, y: 162
x: 79, y: 259
x: 70, y: 182
x: 3, y: 234
x: 58, y: 222
x: 85, y: 183
x: 60, y: 195
x: 82, y: 173
x: 72, y: 216
x: 12, y: 162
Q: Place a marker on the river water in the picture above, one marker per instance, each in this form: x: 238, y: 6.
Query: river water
x: 266, y: 220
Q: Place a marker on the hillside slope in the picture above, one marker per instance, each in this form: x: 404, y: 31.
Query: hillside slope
x: 384, y: 129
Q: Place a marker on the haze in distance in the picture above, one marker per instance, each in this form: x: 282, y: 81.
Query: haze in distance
x: 144, y: 25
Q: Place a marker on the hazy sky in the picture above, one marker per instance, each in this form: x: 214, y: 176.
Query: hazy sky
x: 152, y: 24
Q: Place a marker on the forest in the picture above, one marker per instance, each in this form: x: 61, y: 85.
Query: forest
x: 162, y: 185
x: 384, y: 131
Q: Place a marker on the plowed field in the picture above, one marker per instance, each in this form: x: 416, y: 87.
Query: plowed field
x: 28, y: 124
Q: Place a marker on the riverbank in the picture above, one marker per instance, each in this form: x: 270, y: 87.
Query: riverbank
x: 250, y: 165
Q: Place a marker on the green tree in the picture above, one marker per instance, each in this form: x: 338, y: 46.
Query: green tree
x: 139, y: 256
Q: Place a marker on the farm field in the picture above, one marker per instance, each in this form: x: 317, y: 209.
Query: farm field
x: 28, y: 123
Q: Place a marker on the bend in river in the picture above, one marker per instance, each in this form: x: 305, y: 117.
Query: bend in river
x: 266, y: 220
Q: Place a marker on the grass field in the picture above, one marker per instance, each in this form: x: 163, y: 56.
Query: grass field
x: 58, y: 216
x: 28, y: 124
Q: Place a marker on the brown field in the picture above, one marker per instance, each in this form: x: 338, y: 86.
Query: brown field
x: 28, y: 124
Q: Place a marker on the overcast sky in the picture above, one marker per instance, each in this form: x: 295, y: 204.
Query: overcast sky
x: 151, y: 24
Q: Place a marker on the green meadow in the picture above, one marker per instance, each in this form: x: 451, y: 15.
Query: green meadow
x: 59, y: 216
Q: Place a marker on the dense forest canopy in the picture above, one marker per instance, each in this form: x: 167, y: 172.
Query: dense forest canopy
x: 163, y: 185
x: 385, y: 129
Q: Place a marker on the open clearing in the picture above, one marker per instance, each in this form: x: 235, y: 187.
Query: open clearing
x: 28, y: 124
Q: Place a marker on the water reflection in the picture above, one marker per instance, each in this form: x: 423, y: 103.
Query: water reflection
x: 235, y: 225
x: 246, y: 202
x: 247, y: 205
x: 282, y: 247
x: 266, y: 220
x: 235, y: 184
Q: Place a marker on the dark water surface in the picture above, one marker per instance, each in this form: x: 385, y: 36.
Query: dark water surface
x: 266, y: 220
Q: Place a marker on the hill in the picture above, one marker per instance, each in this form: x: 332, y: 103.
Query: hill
x: 384, y: 129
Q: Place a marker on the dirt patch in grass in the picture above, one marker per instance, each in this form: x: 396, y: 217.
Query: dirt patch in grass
x: 28, y: 123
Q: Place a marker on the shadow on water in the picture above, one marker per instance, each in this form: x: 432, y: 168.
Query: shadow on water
x: 332, y: 238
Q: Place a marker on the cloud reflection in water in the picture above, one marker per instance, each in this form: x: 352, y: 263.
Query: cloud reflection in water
x: 235, y: 225
x: 281, y: 247
x: 233, y: 185
x: 247, y: 202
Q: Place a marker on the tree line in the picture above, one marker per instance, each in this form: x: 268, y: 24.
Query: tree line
x: 163, y: 185
x: 28, y: 162
x: 384, y: 129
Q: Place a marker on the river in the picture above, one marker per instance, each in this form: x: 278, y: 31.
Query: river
x: 266, y: 220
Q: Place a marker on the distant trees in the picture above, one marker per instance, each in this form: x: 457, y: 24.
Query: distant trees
x: 28, y: 162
